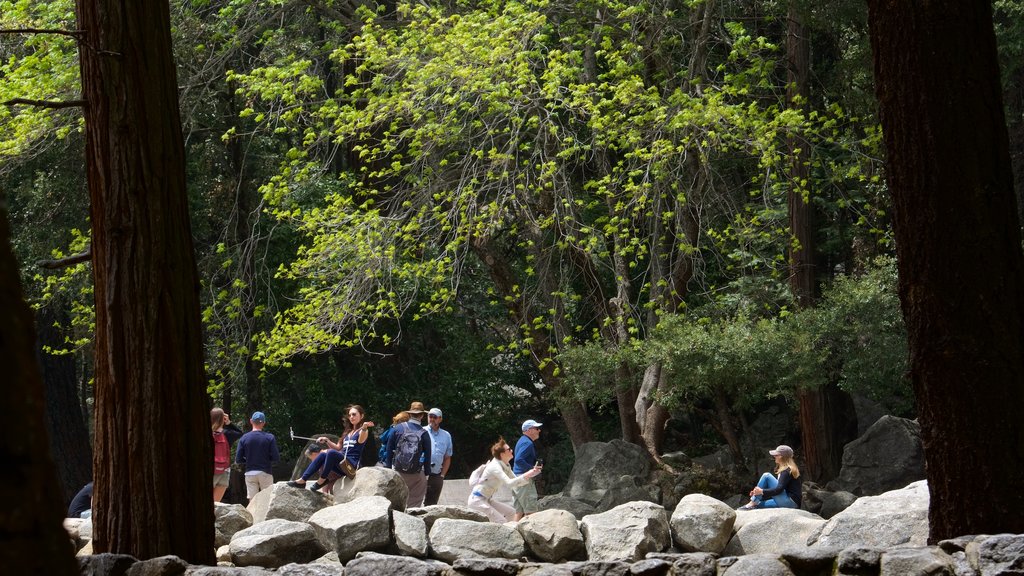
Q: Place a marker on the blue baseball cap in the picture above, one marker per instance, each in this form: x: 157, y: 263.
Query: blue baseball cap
x: 531, y: 424
x: 258, y: 417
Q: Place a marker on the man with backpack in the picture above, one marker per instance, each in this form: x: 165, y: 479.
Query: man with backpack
x: 408, y: 454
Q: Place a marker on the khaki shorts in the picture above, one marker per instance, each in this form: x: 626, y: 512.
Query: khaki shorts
x: 222, y: 479
x: 525, y: 498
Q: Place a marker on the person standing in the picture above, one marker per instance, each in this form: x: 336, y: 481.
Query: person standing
x: 257, y: 450
x: 408, y: 454
x: 440, y: 456
x: 224, y: 435
x: 525, y: 495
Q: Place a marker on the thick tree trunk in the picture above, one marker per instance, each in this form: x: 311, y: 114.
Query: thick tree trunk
x: 69, y: 435
x: 153, y: 449
x: 32, y: 540
x: 960, y: 261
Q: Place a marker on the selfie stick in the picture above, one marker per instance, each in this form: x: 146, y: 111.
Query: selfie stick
x: 294, y: 437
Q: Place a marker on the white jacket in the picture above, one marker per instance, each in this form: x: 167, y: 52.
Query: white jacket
x: 496, y: 474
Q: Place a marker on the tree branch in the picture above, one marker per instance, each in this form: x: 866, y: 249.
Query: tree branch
x: 45, y: 103
x: 72, y: 33
x: 66, y: 262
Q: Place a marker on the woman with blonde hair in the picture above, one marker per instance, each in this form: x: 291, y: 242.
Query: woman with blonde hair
x: 781, y: 490
x: 497, y: 473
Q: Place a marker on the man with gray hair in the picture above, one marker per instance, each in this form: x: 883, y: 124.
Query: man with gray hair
x: 440, y: 456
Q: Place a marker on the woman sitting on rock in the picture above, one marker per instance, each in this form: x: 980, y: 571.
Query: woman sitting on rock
x: 329, y: 463
x: 781, y: 490
x: 497, y: 473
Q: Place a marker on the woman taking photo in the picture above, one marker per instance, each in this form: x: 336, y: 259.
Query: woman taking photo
x: 497, y: 473
x: 344, y: 454
x: 781, y: 490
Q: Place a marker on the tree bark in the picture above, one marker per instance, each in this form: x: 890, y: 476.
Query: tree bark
x: 69, y: 435
x: 959, y: 249
x: 151, y: 467
x: 32, y: 539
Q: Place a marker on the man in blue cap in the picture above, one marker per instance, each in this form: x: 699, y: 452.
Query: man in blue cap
x: 257, y: 450
x: 525, y: 496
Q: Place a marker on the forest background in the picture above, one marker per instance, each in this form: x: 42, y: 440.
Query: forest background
x: 628, y: 220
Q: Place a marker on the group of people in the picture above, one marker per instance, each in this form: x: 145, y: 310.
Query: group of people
x: 420, y: 454
x: 257, y: 452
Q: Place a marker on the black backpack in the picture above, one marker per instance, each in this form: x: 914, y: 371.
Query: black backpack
x: 406, y: 457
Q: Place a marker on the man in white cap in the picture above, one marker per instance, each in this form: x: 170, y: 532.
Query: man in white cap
x: 440, y: 456
x: 525, y: 496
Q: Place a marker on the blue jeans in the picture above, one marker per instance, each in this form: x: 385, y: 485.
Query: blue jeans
x: 326, y: 462
x: 780, y: 500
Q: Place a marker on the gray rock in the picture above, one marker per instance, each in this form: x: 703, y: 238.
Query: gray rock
x: 887, y: 457
x: 410, y: 534
x: 771, y: 530
x: 896, y: 518
x: 223, y: 553
x: 451, y: 540
x: 160, y: 566
x: 282, y: 502
x: 859, y: 560
x: 275, y: 543
x: 552, y: 535
x: 702, y: 524
x: 85, y: 529
x: 599, y: 466
x: 227, y: 571
x: 695, y: 564
x: 627, y: 532
x: 929, y: 561
x: 374, y: 564
x: 105, y: 564
x: 811, y: 561
x: 650, y: 567
x: 999, y: 554
x: 602, y: 568
x: 431, y: 513
x: 826, y: 503
x: 362, y: 524
x: 330, y: 558
x: 759, y: 564
x: 374, y: 481
x: 625, y: 489
x: 486, y: 567
x: 229, y: 519
x: 577, y: 508
x: 311, y: 570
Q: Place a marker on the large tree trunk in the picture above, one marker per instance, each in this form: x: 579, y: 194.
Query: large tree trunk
x: 32, y: 540
x: 153, y: 449
x: 69, y: 435
x: 960, y: 261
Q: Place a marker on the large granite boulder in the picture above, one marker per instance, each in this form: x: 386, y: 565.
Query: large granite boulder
x: 577, y: 508
x: 887, y: 457
x: 999, y: 554
x: 759, y: 564
x: 454, y: 539
x: 159, y: 566
x: 930, y: 561
x: 349, y: 528
x: 374, y: 481
x: 410, y: 535
x: 825, y: 503
x: 283, y: 502
x: 627, y: 489
x: 627, y: 532
x: 552, y: 535
x: 227, y: 520
x: 896, y: 518
x: 375, y: 564
x: 600, y: 466
x: 274, y: 543
x: 430, y: 514
x: 311, y: 570
x: 702, y: 524
x: 767, y: 530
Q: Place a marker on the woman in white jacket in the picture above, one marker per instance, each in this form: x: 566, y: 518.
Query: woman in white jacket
x: 496, y: 474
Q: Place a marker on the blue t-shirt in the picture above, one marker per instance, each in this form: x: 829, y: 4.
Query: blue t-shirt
x: 440, y: 447
x: 352, y: 449
x: 258, y: 451
x: 526, y: 455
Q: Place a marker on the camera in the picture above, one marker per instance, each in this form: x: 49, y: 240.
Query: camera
x: 540, y: 462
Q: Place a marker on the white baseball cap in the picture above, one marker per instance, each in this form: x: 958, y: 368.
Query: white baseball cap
x: 531, y: 424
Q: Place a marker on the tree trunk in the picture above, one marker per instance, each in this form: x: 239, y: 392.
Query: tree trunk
x: 32, y: 539
x: 69, y: 435
x: 153, y: 449
x: 959, y: 249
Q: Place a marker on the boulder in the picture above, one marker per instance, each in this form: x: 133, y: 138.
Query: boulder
x: 454, y: 539
x: 374, y: 564
x: 577, y: 508
x: 759, y: 564
x: 695, y: 564
x: 627, y: 532
x: 223, y: 553
x: 552, y: 535
x: 430, y: 514
x: 311, y: 570
x: 859, y: 560
x: 485, y: 567
x: 887, y: 457
x: 999, y: 554
x: 896, y: 518
x: 274, y: 543
x: 105, y: 564
x: 410, y: 535
x: 160, y: 566
x: 228, y: 571
x: 374, y: 481
x: 930, y: 561
x: 282, y: 502
x: 600, y: 466
x: 767, y: 530
x: 229, y: 519
x: 702, y: 524
x: 825, y: 503
x: 626, y: 489
x: 362, y: 524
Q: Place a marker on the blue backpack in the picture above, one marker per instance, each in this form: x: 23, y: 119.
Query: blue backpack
x: 406, y: 456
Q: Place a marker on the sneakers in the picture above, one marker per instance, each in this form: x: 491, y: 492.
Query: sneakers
x: 295, y: 484
x: 315, y: 486
x: 748, y: 506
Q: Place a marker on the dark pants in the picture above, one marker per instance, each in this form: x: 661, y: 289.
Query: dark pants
x: 434, y: 485
x: 327, y: 462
